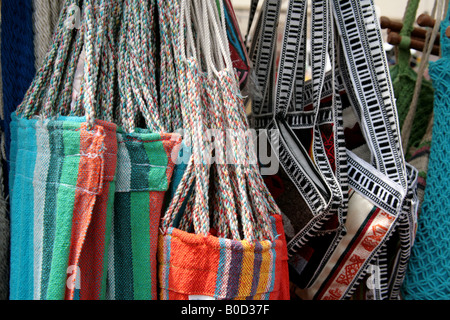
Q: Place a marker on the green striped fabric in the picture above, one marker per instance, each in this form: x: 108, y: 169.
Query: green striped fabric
x: 144, y: 170
x: 60, y: 188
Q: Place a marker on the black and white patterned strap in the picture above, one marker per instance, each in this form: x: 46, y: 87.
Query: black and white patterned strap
x: 289, y: 56
x: 388, y: 181
x: 300, y: 113
x: 323, y: 29
x: 262, y: 51
x: 406, y: 229
x: 322, y: 46
x: 315, y: 180
x: 295, y: 160
x: 368, y: 69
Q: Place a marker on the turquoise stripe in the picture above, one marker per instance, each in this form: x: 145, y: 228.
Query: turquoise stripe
x: 27, y: 278
x: 39, y: 186
x: 274, y: 257
x: 76, y: 294
x: 22, y: 208
x: 221, y: 268
x: 13, y: 151
x: 15, y: 219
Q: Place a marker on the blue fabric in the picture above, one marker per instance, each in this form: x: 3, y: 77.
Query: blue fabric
x: 428, y: 275
x: 17, y: 59
x: 23, y: 161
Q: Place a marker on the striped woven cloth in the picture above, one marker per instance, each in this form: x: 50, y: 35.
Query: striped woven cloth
x: 144, y: 170
x: 60, y: 178
x: 219, y: 268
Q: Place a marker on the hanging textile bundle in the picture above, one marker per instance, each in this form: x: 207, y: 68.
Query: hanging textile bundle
x: 145, y: 158
x: 114, y: 223
x: 427, y: 276
x: 339, y: 149
x: 228, y: 226
x: 144, y: 169
x: 303, y: 119
x: 94, y: 149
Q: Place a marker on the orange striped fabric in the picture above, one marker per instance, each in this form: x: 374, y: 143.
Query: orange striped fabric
x: 224, y: 269
x: 91, y: 174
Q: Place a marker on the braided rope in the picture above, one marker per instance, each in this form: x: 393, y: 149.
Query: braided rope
x: 67, y: 82
x: 59, y: 66
x: 108, y: 69
x: 93, y: 44
x: 260, y: 197
x: 226, y: 203
x: 240, y: 200
x: 179, y: 196
x: 137, y: 67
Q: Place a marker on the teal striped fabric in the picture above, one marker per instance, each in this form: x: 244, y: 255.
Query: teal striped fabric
x: 22, y: 165
x: 144, y: 170
x: 56, y: 181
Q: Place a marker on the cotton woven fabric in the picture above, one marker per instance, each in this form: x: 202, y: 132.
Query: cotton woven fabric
x: 145, y: 165
x: 339, y: 254
x: 218, y: 194
x: 22, y: 164
x: 428, y: 273
x: 221, y: 268
x: 93, y: 253
x: 59, y: 176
